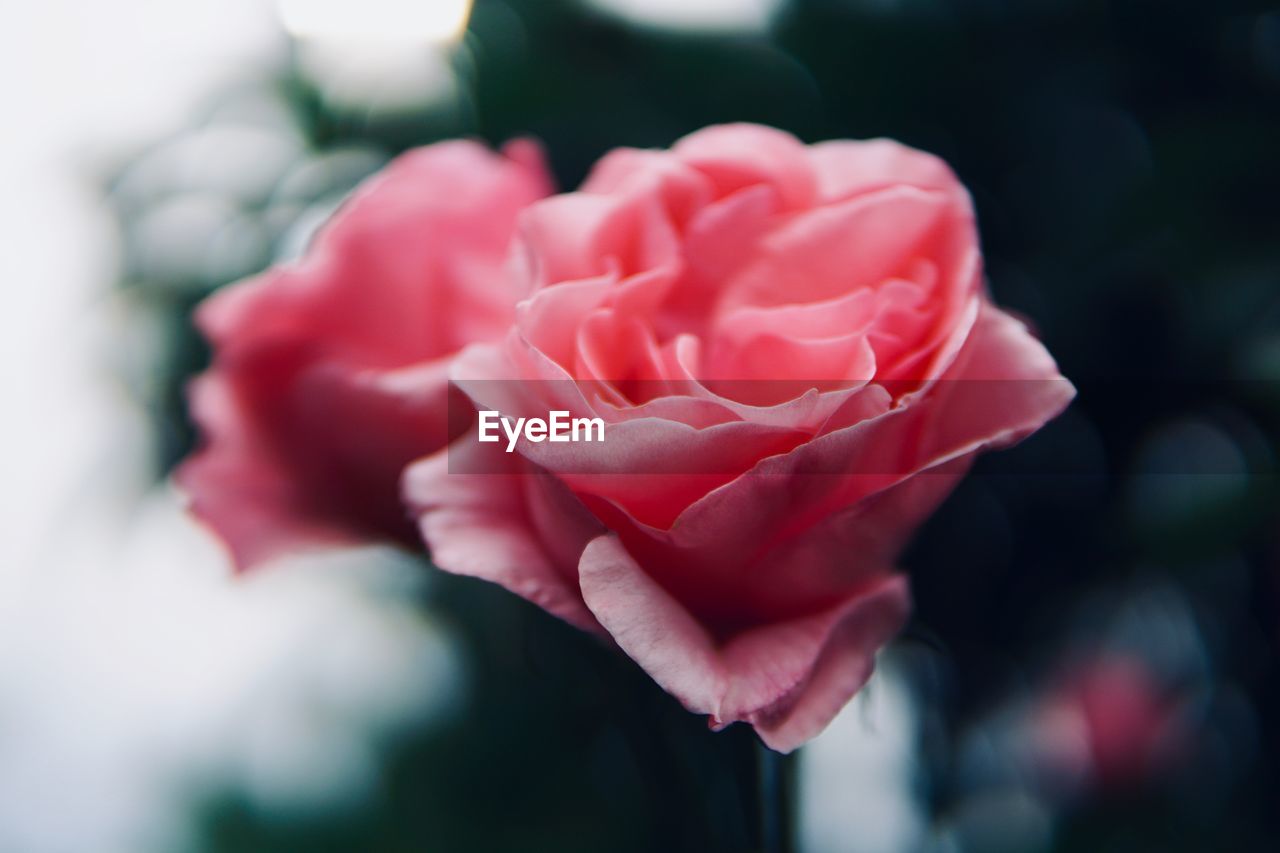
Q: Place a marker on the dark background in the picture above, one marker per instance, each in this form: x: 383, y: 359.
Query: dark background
x: 1122, y: 157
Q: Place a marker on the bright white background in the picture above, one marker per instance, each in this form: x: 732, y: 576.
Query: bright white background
x: 136, y: 676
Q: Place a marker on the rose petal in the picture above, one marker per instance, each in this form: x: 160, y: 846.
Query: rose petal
x: 788, y: 679
x: 846, y: 168
x: 827, y: 658
x: 479, y: 525
x: 830, y: 251
x: 734, y: 156
x: 240, y: 489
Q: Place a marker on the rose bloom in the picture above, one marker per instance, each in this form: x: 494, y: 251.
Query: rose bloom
x: 796, y: 360
x: 329, y: 375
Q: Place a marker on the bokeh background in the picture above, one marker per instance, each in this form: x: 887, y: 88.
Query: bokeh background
x: 1092, y: 665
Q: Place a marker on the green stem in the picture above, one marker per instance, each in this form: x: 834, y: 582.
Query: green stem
x: 776, y: 773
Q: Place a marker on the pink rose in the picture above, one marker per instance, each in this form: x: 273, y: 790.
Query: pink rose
x: 329, y: 374
x: 1111, y: 720
x: 796, y: 361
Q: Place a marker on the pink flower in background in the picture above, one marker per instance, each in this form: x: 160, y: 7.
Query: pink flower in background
x: 796, y: 361
x: 329, y: 374
x: 1111, y: 721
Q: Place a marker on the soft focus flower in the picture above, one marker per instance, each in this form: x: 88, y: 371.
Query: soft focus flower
x: 796, y: 360
x: 1111, y: 721
x: 329, y: 375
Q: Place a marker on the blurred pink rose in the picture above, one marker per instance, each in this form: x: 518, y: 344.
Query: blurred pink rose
x: 1111, y: 721
x: 329, y: 374
x: 796, y: 360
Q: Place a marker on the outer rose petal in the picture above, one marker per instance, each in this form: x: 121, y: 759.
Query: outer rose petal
x: 329, y: 374
x: 259, y: 510
x: 788, y: 679
x: 484, y: 525
x: 391, y: 278
x: 844, y: 642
